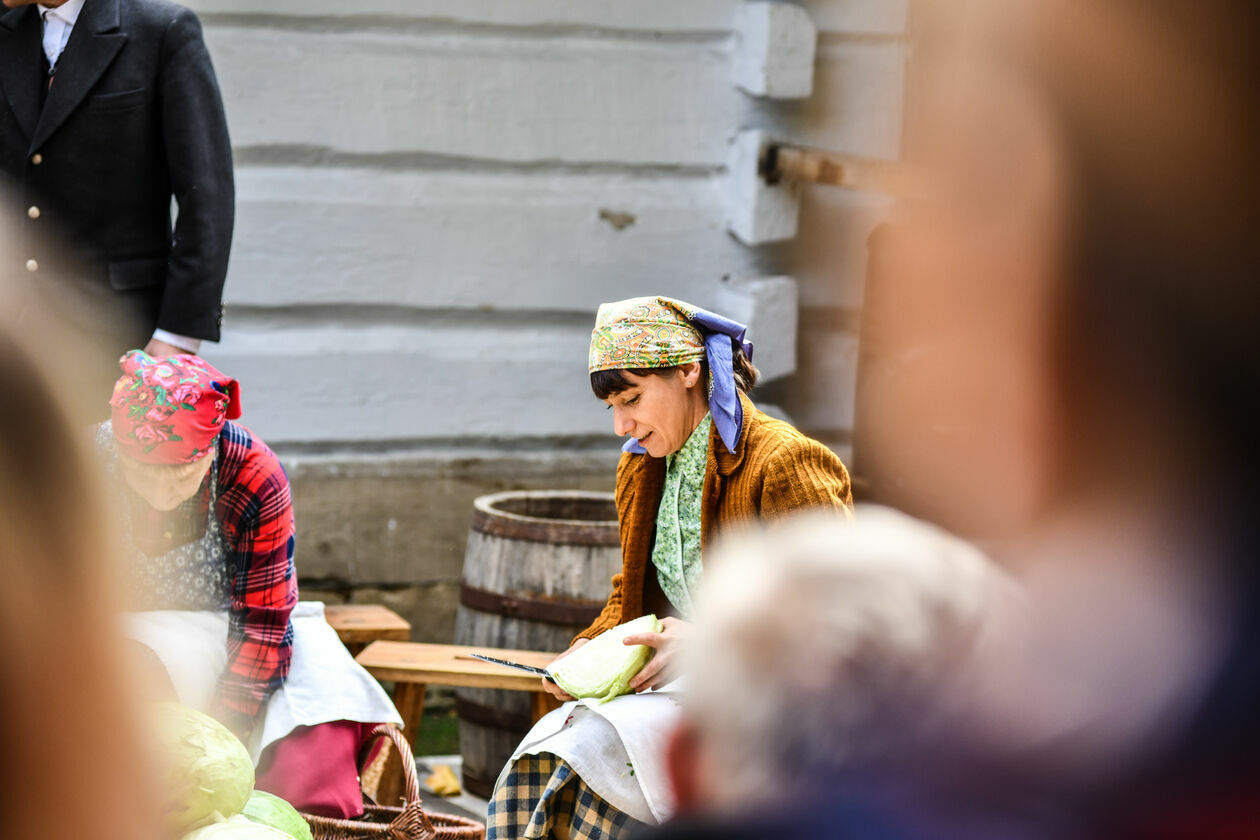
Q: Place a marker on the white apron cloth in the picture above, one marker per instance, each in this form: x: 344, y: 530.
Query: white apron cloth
x: 324, y: 682
x: 618, y: 748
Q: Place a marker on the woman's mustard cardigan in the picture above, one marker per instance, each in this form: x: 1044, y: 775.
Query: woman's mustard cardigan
x: 774, y: 470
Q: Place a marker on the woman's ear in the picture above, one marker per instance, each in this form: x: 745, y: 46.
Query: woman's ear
x: 691, y: 374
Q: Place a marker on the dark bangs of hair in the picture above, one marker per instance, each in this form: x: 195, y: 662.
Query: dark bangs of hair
x: 605, y: 383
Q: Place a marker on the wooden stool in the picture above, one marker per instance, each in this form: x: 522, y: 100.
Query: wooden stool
x: 358, y: 625
x: 411, y: 666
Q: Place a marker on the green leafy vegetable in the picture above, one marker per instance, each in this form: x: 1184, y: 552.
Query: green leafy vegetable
x: 603, y: 667
x: 268, y: 809
x: 209, y: 772
x: 239, y: 828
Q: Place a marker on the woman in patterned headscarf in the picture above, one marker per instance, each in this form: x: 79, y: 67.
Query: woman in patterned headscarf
x: 208, y: 530
x: 699, y: 457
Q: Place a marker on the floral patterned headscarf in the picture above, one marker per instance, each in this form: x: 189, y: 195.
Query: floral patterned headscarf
x: 169, y: 411
x: 659, y: 332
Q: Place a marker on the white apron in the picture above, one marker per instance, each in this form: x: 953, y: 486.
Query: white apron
x: 324, y: 683
x: 618, y: 748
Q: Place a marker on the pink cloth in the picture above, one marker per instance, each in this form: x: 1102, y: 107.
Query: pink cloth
x: 316, y: 768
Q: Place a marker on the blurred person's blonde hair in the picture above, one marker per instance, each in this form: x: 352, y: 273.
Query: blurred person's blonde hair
x: 1077, y: 315
x: 816, y: 634
x: 1069, y: 335
x: 70, y: 735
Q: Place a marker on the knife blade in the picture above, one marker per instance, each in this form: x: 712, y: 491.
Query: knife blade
x: 542, y: 672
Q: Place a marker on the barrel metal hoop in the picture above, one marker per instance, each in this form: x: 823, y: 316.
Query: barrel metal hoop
x: 483, y: 715
x: 569, y: 612
x: 533, y: 529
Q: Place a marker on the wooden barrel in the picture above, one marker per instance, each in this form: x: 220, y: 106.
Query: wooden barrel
x: 537, y: 571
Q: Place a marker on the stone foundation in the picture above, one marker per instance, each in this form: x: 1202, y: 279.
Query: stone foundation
x: 391, y: 528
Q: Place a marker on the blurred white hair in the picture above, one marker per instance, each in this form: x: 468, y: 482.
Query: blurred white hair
x: 820, y: 638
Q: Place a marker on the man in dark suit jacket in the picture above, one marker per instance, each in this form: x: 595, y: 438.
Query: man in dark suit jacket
x: 110, y: 108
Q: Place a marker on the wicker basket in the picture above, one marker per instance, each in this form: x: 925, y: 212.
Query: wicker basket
x: 409, y: 822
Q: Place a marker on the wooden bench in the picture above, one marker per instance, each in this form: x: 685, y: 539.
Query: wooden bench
x: 358, y: 625
x: 412, y: 666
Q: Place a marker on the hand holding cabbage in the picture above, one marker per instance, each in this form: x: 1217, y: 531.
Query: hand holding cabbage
x: 634, y: 656
x: 550, y: 687
x: 661, y: 668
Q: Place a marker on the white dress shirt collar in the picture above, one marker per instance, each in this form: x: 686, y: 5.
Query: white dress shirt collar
x: 68, y: 11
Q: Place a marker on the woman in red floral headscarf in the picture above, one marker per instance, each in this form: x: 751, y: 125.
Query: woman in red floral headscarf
x: 207, y: 519
x: 202, y: 540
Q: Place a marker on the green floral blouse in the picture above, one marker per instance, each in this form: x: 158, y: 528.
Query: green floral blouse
x: 676, y: 552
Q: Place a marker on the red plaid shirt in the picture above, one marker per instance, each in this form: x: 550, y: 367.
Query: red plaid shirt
x: 255, y: 509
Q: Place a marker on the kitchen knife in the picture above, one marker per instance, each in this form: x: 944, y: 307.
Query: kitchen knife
x: 542, y: 672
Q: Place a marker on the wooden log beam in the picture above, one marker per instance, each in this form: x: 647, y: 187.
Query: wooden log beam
x: 784, y: 162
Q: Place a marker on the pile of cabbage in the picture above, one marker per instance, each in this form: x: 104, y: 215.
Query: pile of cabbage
x: 602, y: 668
x: 209, y: 784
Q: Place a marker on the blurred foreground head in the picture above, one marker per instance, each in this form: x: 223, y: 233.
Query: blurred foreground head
x: 820, y: 643
x: 1068, y: 313
x: 1063, y: 352
x: 68, y: 731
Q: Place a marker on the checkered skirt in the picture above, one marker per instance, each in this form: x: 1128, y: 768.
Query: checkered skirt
x: 542, y: 794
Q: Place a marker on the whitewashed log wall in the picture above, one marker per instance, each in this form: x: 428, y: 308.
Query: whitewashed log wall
x: 434, y: 196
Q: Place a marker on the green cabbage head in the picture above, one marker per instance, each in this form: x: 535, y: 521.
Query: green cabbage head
x: 603, y: 667
x: 209, y: 772
x: 238, y: 828
x: 268, y: 809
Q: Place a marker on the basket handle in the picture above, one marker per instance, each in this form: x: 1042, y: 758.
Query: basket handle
x: 411, y: 782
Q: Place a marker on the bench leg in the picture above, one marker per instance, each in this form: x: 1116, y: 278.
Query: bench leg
x: 409, y: 698
x: 540, y: 703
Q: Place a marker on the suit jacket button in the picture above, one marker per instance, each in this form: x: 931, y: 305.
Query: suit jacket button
x: 32, y: 211
x: 37, y: 159
x: 32, y: 266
